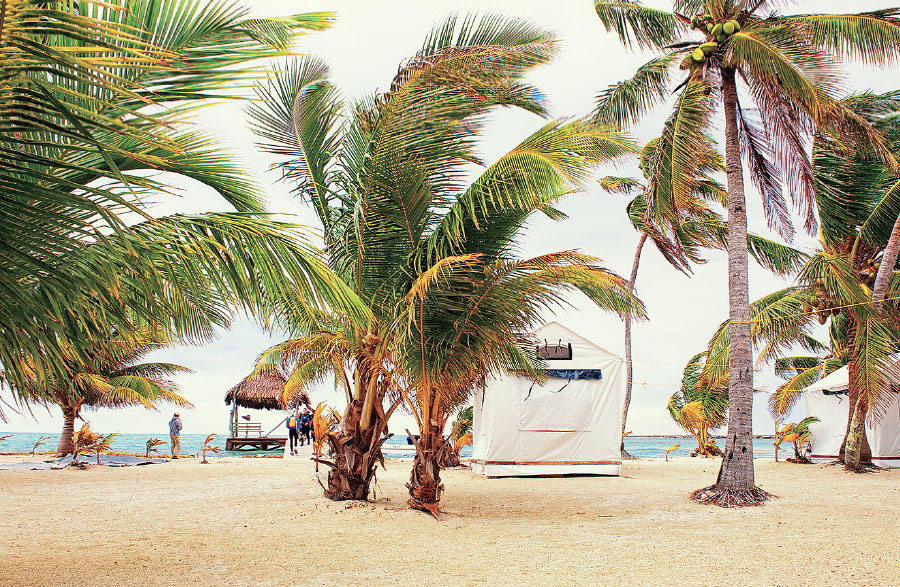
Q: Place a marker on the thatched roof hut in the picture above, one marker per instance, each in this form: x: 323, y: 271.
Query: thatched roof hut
x: 264, y: 392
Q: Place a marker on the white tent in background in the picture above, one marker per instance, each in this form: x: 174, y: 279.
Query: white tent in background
x: 569, y: 424
x: 827, y: 400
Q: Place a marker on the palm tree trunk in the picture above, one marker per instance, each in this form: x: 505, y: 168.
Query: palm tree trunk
x: 66, y: 442
x: 855, y: 449
x: 886, y: 270
x: 735, y: 484
x: 425, y: 479
x: 628, y: 362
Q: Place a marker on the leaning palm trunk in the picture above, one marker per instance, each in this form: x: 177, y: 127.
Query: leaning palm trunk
x: 735, y: 484
x: 66, y: 442
x: 629, y: 372
x: 886, y: 270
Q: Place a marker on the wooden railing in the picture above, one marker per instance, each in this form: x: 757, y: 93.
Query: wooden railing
x: 249, y: 429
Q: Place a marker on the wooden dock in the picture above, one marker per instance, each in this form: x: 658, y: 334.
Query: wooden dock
x: 258, y: 443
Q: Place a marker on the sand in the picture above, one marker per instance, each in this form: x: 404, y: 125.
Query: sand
x: 264, y: 522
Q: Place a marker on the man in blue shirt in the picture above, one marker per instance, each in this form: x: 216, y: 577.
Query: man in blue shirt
x: 175, y: 434
x: 305, y: 426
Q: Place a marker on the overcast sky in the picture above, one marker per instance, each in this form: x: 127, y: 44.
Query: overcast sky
x: 363, y: 48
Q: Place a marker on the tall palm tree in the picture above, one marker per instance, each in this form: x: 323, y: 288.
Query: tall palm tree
x: 112, y: 378
x: 682, y: 230
x: 385, y: 177
x: 95, y: 95
x: 787, y: 64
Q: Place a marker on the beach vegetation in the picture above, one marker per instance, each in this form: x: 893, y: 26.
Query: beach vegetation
x: 325, y: 422
x: 103, y: 444
x: 42, y: 440
x: 428, y: 253
x: 798, y: 434
x: 97, y: 96
x: 112, y: 377
x: 788, y: 65
x: 151, y: 446
x: 207, y: 447
x: 700, y: 406
x: 672, y: 448
x: 82, y: 441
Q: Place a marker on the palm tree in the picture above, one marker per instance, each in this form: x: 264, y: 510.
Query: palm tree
x: 113, y: 378
x: 468, y: 317
x: 385, y: 178
x: 700, y: 406
x: 95, y: 95
x: 856, y: 204
x: 787, y: 64
x: 682, y: 230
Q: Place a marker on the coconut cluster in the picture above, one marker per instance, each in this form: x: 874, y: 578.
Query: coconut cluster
x: 869, y: 271
x: 822, y: 303
x: 719, y: 31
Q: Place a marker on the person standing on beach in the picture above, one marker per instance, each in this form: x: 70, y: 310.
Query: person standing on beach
x: 293, y: 426
x: 305, y: 426
x: 175, y: 434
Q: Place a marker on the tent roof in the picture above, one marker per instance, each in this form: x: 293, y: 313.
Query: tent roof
x: 264, y: 391
x: 835, y: 381
x: 839, y: 380
x: 552, y: 331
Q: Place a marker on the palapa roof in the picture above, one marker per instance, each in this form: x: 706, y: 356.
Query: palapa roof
x: 264, y: 392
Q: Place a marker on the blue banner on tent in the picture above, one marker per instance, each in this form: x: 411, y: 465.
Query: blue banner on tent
x: 575, y: 373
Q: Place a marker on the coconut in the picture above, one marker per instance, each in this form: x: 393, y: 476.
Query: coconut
x: 717, y: 30
x: 694, y: 22
x: 721, y: 38
x: 823, y: 319
x: 698, y: 55
x: 709, y: 47
x: 735, y: 24
x: 728, y: 27
x: 709, y: 27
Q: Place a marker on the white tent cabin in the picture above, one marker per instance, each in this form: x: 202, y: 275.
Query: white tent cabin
x: 827, y: 400
x: 570, y: 424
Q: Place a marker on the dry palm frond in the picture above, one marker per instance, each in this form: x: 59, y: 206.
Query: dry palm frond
x: 325, y: 420
x: 84, y: 440
x: 39, y: 442
x: 103, y: 445
x: 207, y: 448
x: 674, y: 447
x: 462, y: 441
x: 151, y: 446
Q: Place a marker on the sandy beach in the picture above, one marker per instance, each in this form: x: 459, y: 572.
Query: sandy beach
x: 263, y: 522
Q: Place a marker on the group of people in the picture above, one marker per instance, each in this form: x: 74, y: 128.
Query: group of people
x: 299, y: 426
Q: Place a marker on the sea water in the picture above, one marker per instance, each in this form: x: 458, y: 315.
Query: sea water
x: 191, y: 444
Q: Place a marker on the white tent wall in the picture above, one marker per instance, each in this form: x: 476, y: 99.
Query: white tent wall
x: 827, y: 401
x: 559, y: 427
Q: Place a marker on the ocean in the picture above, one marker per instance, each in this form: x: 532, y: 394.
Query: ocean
x: 639, y: 446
